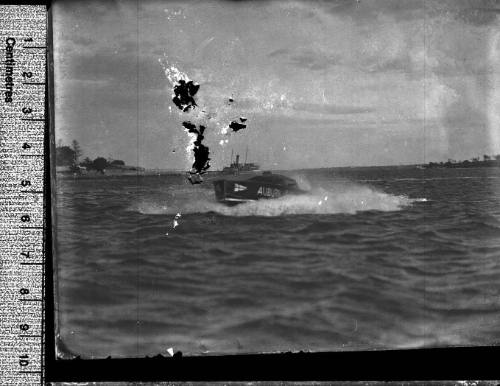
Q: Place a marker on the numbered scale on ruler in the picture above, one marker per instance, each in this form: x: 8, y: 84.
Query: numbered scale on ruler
x: 23, y: 36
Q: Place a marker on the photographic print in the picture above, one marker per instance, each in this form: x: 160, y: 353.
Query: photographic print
x: 270, y: 176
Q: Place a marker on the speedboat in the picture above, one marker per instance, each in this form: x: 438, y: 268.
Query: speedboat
x: 233, y: 190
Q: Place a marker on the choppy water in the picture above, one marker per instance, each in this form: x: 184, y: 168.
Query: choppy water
x: 372, y: 258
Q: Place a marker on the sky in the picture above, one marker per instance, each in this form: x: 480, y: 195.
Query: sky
x: 321, y: 83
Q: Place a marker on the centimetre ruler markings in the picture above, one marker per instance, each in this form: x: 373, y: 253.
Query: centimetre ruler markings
x: 23, y: 30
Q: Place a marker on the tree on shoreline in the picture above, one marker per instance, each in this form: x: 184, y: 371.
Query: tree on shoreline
x: 99, y: 164
x: 77, y: 150
x: 69, y: 156
x: 117, y: 162
x: 65, y: 156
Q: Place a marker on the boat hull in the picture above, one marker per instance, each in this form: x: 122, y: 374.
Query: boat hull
x: 238, y: 190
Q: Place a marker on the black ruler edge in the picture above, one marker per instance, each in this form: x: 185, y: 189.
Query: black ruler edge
x: 425, y: 364
x: 48, y: 353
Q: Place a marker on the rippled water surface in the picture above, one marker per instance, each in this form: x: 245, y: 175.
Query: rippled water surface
x: 372, y: 258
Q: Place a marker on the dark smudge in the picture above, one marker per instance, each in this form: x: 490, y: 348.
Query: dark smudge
x: 201, y: 153
x: 184, y: 94
x: 235, y: 126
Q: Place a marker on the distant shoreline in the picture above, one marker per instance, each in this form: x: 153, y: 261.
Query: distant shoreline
x: 111, y: 173
x: 463, y: 164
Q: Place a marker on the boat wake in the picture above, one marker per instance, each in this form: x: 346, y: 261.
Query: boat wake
x: 341, y: 198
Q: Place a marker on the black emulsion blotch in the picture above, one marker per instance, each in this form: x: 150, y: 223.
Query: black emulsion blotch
x: 184, y: 93
x: 191, y: 127
x: 235, y: 126
x: 201, y: 152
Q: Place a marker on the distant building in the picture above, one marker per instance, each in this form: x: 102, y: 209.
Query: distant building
x: 63, y: 169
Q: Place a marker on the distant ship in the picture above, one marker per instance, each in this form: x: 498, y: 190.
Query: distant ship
x: 235, y: 167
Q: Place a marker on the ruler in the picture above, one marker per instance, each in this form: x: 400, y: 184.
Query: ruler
x: 23, y: 38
